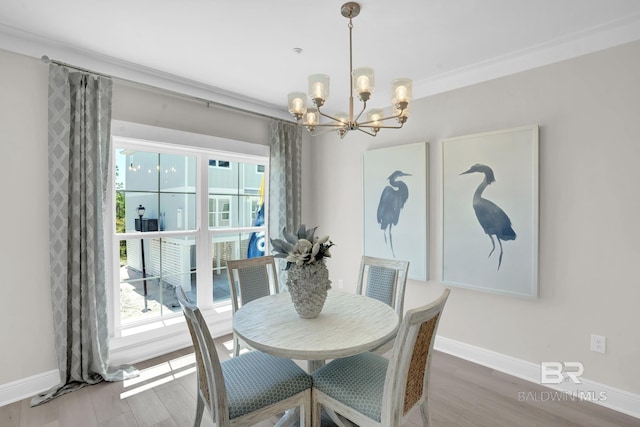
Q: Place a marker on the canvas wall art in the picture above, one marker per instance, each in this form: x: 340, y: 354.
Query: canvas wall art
x: 490, y: 211
x: 395, y: 205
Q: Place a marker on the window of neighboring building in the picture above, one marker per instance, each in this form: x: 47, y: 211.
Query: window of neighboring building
x: 220, y: 163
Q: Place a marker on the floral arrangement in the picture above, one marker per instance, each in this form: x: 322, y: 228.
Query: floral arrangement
x: 303, y: 247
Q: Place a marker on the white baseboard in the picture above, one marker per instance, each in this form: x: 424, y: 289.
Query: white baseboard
x: 616, y: 399
x: 130, y: 352
x: 28, y: 387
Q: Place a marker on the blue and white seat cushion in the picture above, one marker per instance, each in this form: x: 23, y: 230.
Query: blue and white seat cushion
x: 255, y: 380
x: 357, y: 381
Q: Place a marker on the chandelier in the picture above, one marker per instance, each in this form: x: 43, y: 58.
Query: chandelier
x: 361, y: 81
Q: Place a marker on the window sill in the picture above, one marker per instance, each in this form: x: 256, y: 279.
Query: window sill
x: 145, y: 342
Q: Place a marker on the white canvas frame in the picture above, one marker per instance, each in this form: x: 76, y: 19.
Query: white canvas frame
x: 513, y: 156
x: 411, y: 234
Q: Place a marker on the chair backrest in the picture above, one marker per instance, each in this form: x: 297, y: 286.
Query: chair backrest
x: 255, y: 278
x: 209, y: 371
x: 385, y: 280
x: 407, y: 379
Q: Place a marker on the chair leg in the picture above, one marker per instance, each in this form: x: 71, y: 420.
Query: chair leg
x: 316, y: 411
x: 306, y: 410
x: 236, y: 346
x: 199, y: 411
x: 424, y: 412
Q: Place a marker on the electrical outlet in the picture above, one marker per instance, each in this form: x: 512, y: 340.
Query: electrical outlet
x: 598, y: 343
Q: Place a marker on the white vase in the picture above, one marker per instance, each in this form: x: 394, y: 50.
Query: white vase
x: 308, y: 285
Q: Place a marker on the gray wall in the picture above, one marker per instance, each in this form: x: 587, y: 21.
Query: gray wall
x: 588, y: 110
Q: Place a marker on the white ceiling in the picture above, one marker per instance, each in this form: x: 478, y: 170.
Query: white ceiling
x: 241, y: 52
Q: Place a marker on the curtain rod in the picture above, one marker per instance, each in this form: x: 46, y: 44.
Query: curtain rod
x: 207, y: 102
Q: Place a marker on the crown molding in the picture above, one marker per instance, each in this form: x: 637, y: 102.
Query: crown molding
x: 577, y: 44
x: 28, y: 44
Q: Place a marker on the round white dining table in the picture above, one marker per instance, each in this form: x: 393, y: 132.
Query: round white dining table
x: 348, y: 324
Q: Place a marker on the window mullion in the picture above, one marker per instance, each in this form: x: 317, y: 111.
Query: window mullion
x: 204, y: 287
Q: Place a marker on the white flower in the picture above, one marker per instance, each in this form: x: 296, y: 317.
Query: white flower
x: 322, y: 240
x: 303, y: 247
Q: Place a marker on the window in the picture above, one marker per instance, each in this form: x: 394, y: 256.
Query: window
x: 219, y: 211
x: 179, y: 213
x: 220, y: 163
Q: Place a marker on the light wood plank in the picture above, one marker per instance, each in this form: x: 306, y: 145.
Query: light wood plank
x: 10, y: 415
x: 147, y: 408
x: 122, y: 420
x: 38, y: 416
x: 73, y: 403
x: 107, y: 401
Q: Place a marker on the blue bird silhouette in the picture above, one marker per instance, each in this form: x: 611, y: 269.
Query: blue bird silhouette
x: 493, y: 220
x: 392, y: 200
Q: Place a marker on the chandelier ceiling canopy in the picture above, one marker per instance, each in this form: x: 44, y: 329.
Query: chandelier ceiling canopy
x: 362, y: 83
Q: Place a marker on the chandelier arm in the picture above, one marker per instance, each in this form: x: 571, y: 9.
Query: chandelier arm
x: 364, y: 107
x: 327, y: 116
x: 333, y: 125
x: 388, y: 127
x: 368, y: 133
x: 395, y: 116
x: 314, y: 133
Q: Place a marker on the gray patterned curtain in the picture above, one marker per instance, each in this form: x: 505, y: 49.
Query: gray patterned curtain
x: 285, y: 182
x: 79, y: 144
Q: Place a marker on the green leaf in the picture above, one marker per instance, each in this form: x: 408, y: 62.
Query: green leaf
x: 291, y: 238
x: 281, y: 246
x: 302, y: 232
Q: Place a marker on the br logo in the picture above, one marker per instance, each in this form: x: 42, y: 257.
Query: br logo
x: 557, y: 372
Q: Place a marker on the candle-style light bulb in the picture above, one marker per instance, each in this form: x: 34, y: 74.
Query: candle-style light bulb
x: 401, y: 89
x: 312, y: 118
x: 375, y: 117
x: 297, y: 104
x: 363, y: 83
x: 318, y: 89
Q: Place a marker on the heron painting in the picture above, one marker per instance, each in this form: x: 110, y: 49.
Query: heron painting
x: 395, y: 205
x: 490, y: 211
x: 492, y: 218
x: 392, y: 200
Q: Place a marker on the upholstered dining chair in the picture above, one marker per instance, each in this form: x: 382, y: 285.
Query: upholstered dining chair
x: 384, y: 280
x: 371, y: 390
x: 250, y: 279
x: 247, y: 389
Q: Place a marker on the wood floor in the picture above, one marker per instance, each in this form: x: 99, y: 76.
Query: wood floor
x: 462, y: 394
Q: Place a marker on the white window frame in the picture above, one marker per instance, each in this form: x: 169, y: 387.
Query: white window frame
x: 141, y: 340
x: 219, y: 202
